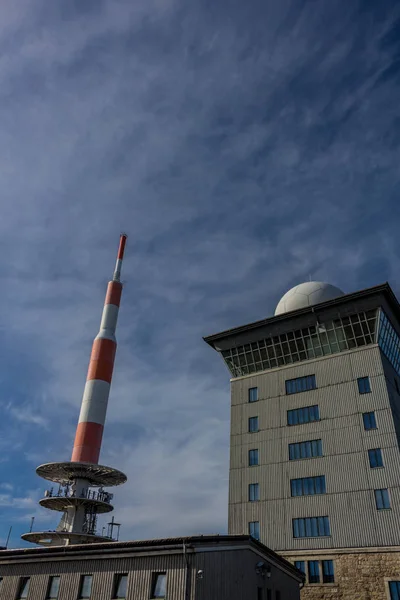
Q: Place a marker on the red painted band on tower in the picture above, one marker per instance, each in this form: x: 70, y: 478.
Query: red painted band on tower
x: 114, y: 291
x: 87, y: 443
x: 102, y: 360
x: 121, y: 249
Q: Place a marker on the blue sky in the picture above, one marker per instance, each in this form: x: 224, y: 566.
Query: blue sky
x: 244, y: 147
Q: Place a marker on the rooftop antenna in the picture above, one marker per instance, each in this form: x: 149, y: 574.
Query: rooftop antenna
x: 8, y: 537
x: 32, y: 521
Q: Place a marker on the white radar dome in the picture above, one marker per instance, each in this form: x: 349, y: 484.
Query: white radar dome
x: 307, y: 294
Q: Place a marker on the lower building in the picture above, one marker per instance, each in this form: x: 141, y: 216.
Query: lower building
x: 213, y: 567
x: 350, y: 573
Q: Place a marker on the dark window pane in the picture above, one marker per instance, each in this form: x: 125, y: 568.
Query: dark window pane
x: 159, y: 585
x: 327, y: 571
x: 313, y: 571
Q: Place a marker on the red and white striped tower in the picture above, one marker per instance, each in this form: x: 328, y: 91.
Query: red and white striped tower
x: 90, y: 428
x: 75, y: 497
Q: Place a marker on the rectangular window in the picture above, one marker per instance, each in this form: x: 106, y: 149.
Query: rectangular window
x: 308, y: 486
x: 254, y: 492
x: 311, y: 527
x: 277, y: 595
x: 254, y: 529
x: 120, y: 585
x: 328, y: 575
x: 260, y: 593
x: 382, y: 499
x: 313, y: 571
x: 86, y: 587
x: 375, y: 458
x: 300, y: 384
x: 253, y: 424
x: 23, y: 587
x: 309, y: 449
x: 364, y: 386
x: 298, y: 416
x: 253, y: 457
x: 300, y: 565
x: 253, y: 394
x: 53, y: 589
x: 394, y: 588
x: 159, y: 585
x: 369, y: 421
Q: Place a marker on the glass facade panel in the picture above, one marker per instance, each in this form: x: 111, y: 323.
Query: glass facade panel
x: 328, y: 575
x: 253, y: 457
x: 308, y: 486
x: 254, y: 529
x: 253, y: 394
x: 159, y: 585
x: 389, y: 341
x: 382, y: 499
x: 394, y: 588
x: 253, y: 424
x: 300, y: 565
x: 298, y: 416
x: 300, y: 384
x: 304, y: 344
x: 364, y: 386
x: 54, y: 587
x: 311, y: 527
x: 369, y: 420
x: 375, y: 458
x: 313, y: 571
x: 120, y: 586
x: 86, y: 586
x: 254, y: 492
x: 23, y: 588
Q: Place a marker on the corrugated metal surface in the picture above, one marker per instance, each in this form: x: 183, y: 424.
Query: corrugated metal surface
x: 227, y: 574
x: 350, y: 500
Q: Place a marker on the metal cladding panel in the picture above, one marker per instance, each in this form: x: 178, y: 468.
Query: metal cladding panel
x: 236, y: 420
x: 366, y: 362
x: 266, y: 410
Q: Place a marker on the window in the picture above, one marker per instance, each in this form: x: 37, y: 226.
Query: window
x: 389, y: 341
x: 300, y: 384
x: 338, y: 335
x: 300, y: 565
x: 299, y: 416
x: 254, y: 492
x: 369, y: 420
x: 328, y: 575
x: 85, y: 587
x: 309, y: 449
x: 253, y: 457
x: 253, y: 424
x: 364, y: 386
x: 308, y: 486
x: 313, y: 571
x: 23, y: 587
x: 254, y: 529
x: 311, y: 527
x: 269, y: 594
x: 120, y: 585
x: 159, y: 585
x: 382, y: 499
x: 394, y: 588
x: 277, y: 595
x: 375, y: 458
x: 253, y: 394
x: 260, y: 594
x: 53, y: 589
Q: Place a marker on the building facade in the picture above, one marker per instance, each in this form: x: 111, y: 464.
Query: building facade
x: 315, y: 430
x: 190, y: 568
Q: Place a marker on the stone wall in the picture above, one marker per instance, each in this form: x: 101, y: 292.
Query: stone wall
x: 360, y: 574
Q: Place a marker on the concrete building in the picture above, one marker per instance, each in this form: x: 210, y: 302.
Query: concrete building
x: 315, y: 429
x: 189, y: 568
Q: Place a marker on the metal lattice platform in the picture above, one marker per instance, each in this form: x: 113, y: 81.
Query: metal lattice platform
x: 61, y: 503
x: 50, y: 538
x: 66, y: 472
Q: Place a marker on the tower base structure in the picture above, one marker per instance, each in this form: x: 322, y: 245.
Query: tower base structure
x: 81, y: 497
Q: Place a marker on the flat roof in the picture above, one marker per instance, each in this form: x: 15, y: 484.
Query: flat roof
x: 137, y: 545
x: 383, y: 288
